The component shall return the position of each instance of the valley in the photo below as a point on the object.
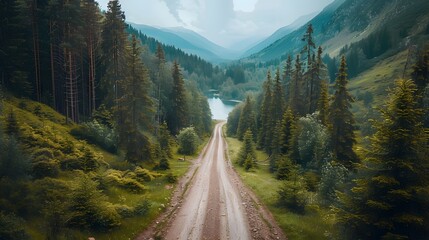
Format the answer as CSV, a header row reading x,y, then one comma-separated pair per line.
x,y
215,120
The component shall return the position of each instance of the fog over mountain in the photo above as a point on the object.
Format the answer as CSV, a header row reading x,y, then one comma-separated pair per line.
x,y
223,22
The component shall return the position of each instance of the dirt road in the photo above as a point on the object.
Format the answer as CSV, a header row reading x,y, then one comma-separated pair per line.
x,y
216,205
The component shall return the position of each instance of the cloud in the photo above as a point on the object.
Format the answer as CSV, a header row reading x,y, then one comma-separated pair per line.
x,y
219,20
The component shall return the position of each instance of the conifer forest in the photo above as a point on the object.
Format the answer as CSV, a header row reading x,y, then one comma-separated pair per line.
x,y
110,127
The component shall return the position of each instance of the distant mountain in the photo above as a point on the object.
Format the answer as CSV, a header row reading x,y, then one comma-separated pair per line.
x,y
292,41
279,34
345,22
185,40
188,41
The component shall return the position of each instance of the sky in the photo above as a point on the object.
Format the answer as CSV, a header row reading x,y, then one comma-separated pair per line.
x,y
224,22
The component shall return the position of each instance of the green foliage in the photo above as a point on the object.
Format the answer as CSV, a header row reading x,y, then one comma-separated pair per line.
x,y
233,120
142,208
188,141
131,181
144,175
247,150
313,142
139,148
14,162
334,175
247,119
12,127
45,168
89,207
293,195
390,196
284,168
177,118
287,129
248,163
98,134
12,227
171,178
341,121
165,139
264,118
163,163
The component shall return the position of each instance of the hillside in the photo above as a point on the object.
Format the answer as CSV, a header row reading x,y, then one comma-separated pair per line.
x,y
280,33
347,21
188,41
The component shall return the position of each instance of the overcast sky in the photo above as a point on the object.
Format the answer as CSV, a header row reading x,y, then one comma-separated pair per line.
x,y
224,22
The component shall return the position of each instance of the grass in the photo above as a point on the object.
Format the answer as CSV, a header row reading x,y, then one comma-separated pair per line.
x,y
312,225
158,192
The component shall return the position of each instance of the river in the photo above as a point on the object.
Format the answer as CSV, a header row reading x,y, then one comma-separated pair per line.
x,y
220,109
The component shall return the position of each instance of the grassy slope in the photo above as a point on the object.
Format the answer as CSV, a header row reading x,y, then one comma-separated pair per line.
x,y
265,186
158,193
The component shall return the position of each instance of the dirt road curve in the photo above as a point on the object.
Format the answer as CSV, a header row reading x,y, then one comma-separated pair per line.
x,y
216,205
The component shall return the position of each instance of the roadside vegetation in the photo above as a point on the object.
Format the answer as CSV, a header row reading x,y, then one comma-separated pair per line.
x,y
340,178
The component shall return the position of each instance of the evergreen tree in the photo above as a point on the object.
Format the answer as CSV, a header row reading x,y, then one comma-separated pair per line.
x,y
287,128
113,52
247,119
315,81
390,199
12,127
295,89
178,117
247,149
275,116
265,113
309,46
164,139
341,121
135,105
323,103
287,77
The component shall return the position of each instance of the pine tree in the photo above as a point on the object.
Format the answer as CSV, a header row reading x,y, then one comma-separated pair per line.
x,y
91,20
247,149
315,81
135,105
295,89
265,113
287,128
309,46
12,127
178,117
390,199
275,117
247,119
323,103
341,120
113,52
164,139
287,77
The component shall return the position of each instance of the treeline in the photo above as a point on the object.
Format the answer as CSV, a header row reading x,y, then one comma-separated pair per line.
x,y
125,101
310,137
69,55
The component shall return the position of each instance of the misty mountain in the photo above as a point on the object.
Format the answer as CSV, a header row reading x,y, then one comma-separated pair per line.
x,y
280,33
188,41
345,22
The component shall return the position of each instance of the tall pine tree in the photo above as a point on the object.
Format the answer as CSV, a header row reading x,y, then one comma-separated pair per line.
x,y
390,199
341,120
178,116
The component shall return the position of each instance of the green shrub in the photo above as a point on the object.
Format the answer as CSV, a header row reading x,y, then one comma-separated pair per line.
x,y
188,141
124,210
293,195
142,208
47,152
12,227
43,169
132,185
171,178
97,133
89,207
248,164
143,174
312,180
